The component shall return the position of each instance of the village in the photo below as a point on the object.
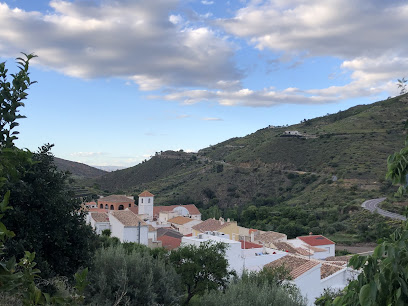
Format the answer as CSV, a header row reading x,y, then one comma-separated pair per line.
x,y
310,260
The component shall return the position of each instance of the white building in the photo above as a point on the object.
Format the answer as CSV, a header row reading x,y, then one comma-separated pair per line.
x,y
98,221
238,259
319,246
146,204
312,276
128,227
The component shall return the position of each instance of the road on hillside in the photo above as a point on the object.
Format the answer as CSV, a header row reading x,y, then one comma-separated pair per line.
x,y
372,205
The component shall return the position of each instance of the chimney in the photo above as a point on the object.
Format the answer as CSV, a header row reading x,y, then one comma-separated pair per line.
x,y
222,220
310,234
252,236
228,220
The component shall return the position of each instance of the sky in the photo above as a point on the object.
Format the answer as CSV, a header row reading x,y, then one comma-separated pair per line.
x,y
120,80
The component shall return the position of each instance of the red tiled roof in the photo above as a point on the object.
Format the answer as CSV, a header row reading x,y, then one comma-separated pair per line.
x,y
100,217
169,243
146,194
315,240
328,269
192,209
98,210
249,245
116,199
127,218
295,265
180,220
210,225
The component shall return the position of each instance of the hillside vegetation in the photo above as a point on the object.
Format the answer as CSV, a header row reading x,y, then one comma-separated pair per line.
x,y
295,184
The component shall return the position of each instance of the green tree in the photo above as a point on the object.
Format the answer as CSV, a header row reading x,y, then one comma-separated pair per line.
x,y
47,219
256,289
202,268
17,280
120,277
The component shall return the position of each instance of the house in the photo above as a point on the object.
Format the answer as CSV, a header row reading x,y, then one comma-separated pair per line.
x,y
228,227
320,245
115,202
312,276
99,221
251,258
128,227
183,224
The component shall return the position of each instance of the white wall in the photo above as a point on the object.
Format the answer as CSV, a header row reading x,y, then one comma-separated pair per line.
x,y
131,234
152,235
309,284
116,228
146,206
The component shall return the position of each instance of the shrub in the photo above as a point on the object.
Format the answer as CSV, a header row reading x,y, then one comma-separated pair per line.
x,y
136,278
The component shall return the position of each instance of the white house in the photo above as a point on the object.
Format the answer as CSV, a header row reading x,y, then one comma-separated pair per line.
x,y
238,258
320,246
99,221
128,227
312,276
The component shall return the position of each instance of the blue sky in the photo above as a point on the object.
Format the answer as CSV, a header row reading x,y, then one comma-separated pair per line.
x,y
120,80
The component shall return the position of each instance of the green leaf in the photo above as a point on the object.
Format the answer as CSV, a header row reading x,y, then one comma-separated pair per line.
x,y
365,295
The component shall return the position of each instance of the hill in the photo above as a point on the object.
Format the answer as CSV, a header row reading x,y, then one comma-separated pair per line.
x,y
78,169
310,176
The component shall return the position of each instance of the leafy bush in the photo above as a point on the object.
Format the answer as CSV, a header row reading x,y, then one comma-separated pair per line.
x,y
136,278
249,291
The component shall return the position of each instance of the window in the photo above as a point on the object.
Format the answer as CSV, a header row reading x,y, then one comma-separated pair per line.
x,y
148,201
106,206
112,208
130,205
142,201
121,207
101,207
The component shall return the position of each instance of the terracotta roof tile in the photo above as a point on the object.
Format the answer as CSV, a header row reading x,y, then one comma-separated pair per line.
x,y
163,231
169,243
315,240
249,245
116,199
127,218
210,225
283,246
328,269
100,217
180,220
146,194
270,237
295,265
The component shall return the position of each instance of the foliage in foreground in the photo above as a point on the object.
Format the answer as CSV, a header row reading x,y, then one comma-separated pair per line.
x,y
120,277
256,290
202,268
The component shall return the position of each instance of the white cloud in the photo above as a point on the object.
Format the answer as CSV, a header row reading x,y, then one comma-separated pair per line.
x,y
136,40
207,2
86,154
